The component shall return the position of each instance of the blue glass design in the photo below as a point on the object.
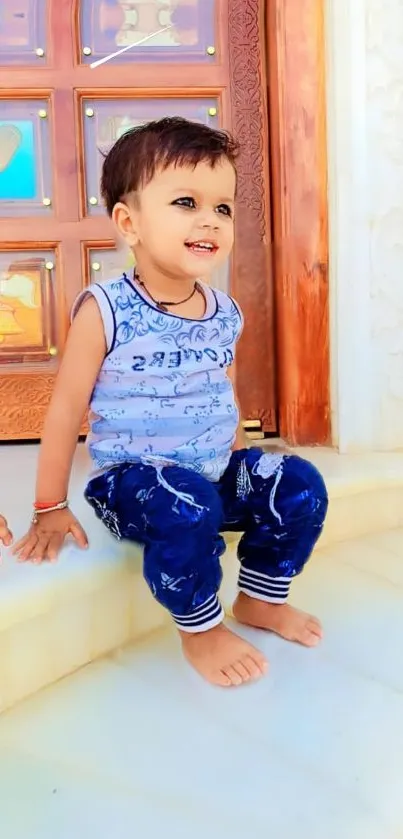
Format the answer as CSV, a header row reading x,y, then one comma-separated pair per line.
x,y
26,171
17,145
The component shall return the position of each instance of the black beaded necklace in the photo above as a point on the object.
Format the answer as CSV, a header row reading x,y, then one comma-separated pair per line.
x,y
164,305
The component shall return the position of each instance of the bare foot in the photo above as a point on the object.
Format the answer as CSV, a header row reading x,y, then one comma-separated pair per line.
x,y
223,658
282,619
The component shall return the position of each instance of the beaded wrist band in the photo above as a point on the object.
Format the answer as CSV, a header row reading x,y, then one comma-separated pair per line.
x,y
39,510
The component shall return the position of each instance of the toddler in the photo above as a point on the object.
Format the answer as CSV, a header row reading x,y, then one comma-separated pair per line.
x,y
152,354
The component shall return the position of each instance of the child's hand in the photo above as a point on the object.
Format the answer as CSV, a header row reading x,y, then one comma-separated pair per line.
x,y
6,537
45,539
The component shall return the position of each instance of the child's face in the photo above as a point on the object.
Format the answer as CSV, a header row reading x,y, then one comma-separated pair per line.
x,y
182,222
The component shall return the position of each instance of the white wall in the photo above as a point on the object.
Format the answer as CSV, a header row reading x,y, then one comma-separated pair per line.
x,y
365,130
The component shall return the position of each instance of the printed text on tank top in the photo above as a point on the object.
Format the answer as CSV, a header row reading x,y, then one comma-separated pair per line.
x,y
163,392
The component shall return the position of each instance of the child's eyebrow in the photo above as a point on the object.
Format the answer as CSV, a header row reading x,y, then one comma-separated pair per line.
x,y
186,190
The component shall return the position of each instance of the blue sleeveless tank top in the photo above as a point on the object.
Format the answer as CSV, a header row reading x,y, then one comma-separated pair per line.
x,y
163,394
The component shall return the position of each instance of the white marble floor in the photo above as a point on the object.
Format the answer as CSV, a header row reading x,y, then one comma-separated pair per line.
x,y
137,745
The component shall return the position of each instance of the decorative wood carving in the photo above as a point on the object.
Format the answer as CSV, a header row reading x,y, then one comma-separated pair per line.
x,y
252,280
23,401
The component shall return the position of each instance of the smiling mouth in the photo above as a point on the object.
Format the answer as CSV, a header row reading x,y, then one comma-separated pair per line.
x,y
202,248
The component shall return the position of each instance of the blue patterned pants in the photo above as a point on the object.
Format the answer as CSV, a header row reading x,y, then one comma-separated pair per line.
x,y
278,503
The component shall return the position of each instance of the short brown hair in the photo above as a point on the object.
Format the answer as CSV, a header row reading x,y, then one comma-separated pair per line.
x,y
135,157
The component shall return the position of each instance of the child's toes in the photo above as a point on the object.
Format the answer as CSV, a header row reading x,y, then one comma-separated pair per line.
x,y
310,636
315,627
232,674
242,669
257,666
221,679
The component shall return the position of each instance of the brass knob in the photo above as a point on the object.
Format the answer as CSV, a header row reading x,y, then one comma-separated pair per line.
x,y
49,266
87,51
53,351
93,201
47,202
42,113
212,112
210,50
96,266
89,112
40,52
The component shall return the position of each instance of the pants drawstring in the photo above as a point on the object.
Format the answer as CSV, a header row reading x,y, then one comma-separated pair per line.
x,y
158,465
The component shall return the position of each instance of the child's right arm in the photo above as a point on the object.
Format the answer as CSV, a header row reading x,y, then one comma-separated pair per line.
x,y
82,360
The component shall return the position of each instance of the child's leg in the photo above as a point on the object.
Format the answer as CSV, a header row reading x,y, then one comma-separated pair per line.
x,y
177,515
281,504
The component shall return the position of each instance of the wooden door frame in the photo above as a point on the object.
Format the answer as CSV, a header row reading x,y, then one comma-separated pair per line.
x,y
296,61
280,42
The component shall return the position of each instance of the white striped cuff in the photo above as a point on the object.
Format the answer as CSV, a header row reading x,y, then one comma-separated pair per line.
x,y
262,587
206,617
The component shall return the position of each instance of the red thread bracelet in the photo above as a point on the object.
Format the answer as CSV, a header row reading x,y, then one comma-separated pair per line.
x,y
41,505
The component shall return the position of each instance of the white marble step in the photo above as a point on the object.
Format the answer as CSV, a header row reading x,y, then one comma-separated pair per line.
x,y
56,618
137,745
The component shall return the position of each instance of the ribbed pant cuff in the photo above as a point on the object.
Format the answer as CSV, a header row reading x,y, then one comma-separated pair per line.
x,y
206,617
262,587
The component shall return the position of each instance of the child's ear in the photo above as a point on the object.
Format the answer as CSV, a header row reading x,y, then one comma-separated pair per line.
x,y
124,220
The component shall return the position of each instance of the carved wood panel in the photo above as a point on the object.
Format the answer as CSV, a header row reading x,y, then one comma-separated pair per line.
x,y
252,279
23,403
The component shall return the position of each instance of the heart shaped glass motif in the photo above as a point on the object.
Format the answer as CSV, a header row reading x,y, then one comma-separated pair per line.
x,y
10,141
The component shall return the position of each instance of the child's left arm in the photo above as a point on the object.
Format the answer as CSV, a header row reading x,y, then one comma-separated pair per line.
x,y
6,536
240,439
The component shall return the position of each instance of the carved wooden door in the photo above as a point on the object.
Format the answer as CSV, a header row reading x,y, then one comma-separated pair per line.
x,y
203,59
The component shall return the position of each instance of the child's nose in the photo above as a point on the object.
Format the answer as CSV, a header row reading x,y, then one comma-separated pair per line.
x,y
209,220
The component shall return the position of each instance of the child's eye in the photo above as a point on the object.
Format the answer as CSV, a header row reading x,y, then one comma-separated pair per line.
x,y
185,202
225,210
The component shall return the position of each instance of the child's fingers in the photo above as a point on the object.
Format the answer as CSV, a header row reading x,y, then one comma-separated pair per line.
x,y
79,534
55,546
40,552
20,545
25,547
37,547
6,537
5,534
